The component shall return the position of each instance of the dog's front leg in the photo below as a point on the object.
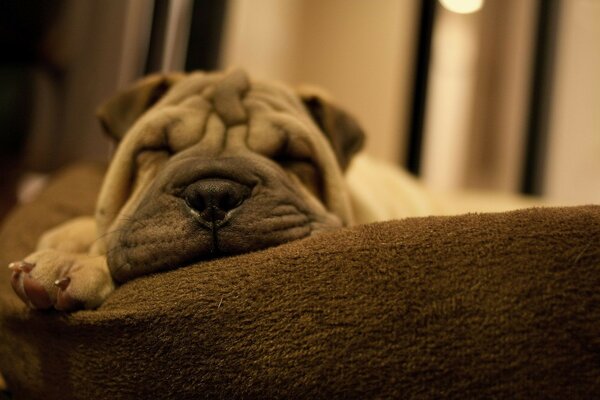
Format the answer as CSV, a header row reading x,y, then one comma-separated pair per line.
x,y
74,236
63,273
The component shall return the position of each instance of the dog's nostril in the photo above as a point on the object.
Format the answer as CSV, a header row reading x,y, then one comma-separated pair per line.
x,y
228,201
213,198
195,202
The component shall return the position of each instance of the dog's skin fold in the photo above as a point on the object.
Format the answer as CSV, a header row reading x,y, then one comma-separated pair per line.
x,y
208,164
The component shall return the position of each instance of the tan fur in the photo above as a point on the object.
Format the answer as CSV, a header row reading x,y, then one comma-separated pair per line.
x,y
207,115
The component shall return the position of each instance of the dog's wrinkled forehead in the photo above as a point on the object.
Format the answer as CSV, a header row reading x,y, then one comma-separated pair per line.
x,y
230,94
225,112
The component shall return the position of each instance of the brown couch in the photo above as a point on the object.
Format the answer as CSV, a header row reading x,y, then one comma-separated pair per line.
x,y
500,305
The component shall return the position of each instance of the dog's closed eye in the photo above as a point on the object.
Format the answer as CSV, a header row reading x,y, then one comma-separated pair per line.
x,y
151,159
306,172
150,153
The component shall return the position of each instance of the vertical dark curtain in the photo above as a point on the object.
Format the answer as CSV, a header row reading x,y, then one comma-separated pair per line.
x,y
206,32
540,97
421,76
204,43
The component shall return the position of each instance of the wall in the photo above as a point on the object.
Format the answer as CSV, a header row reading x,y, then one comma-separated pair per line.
x,y
478,96
573,160
360,51
93,61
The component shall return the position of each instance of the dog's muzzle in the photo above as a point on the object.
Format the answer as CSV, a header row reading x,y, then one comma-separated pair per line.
x,y
202,208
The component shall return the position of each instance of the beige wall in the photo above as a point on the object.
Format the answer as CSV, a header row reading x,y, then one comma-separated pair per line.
x,y
573,163
502,91
450,98
360,51
478,96
260,36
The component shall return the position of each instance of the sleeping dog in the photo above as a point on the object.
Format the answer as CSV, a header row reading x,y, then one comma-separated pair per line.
x,y
207,165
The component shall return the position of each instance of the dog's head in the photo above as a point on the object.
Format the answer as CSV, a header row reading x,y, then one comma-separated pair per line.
x,y
213,164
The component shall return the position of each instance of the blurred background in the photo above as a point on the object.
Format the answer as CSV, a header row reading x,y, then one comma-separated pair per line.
x,y
498,95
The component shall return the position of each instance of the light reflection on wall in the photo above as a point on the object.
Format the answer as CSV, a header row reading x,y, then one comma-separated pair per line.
x,y
462,6
450,98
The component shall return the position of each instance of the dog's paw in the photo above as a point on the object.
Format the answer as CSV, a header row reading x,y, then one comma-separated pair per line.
x,y
65,281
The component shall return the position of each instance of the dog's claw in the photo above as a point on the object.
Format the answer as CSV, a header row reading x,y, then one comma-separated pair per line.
x,y
23,266
62,283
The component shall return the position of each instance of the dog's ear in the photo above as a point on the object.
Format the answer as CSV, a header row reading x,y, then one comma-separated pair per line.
x,y
119,113
342,130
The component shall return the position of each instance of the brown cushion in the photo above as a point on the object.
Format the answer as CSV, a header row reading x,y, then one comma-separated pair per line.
x,y
489,305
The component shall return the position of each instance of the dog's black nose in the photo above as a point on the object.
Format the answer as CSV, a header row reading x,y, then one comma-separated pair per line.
x,y
213,198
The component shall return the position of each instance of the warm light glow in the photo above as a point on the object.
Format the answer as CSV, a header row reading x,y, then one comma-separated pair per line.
x,y
462,6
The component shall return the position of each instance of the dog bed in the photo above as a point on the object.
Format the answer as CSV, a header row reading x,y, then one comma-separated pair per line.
x,y
471,306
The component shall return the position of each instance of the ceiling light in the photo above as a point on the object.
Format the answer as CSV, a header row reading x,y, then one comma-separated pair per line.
x,y
462,6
